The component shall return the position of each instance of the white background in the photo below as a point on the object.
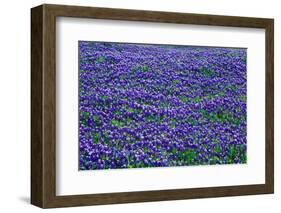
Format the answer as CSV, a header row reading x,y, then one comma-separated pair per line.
x,y
15,105
71,181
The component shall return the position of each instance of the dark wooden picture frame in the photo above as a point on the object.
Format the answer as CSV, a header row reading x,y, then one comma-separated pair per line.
x,y
43,105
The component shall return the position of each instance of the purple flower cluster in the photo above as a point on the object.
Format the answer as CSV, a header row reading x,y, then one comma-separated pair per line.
x,y
146,105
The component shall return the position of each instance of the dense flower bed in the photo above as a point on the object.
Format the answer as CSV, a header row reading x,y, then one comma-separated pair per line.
x,y
161,105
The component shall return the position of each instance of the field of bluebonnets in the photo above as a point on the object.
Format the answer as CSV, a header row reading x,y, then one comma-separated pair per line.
x,y
161,105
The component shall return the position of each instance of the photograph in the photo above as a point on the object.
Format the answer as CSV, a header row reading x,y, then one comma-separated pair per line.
x,y
159,105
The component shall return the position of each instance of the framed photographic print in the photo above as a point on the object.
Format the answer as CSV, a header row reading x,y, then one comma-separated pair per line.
x,y
136,106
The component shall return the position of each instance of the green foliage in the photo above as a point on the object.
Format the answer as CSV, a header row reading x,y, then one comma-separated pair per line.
x,y
229,118
236,121
106,138
145,149
217,149
151,118
93,166
207,72
214,160
97,120
102,157
211,96
135,69
232,154
85,117
140,165
116,112
127,120
243,154
96,137
138,111
191,121
170,90
212,117
174,150
189,156
117,123
183,99
173,123
223,117
175,82
144,68
244,98
131,110
204,113
197,99
104,97
100,59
